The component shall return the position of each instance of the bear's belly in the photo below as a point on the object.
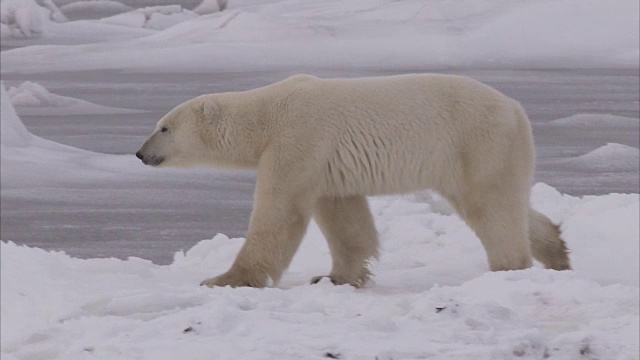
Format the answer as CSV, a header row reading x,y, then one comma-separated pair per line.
x,y
380,158
382,174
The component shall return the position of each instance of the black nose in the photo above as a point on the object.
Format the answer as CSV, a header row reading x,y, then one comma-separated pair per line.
x,y
139,155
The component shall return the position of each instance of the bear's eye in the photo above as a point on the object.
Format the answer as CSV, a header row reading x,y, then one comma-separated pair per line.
x,y
164,129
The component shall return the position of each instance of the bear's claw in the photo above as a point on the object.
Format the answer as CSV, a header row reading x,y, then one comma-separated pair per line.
x,y
339,280
316,279
237,279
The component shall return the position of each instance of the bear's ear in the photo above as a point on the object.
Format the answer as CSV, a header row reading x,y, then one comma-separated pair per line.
x,y
206,109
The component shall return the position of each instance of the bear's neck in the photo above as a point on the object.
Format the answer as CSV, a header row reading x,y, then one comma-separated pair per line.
x,y
250,126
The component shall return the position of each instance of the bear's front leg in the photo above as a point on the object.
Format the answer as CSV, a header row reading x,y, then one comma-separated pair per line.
x,y
238,277
278,223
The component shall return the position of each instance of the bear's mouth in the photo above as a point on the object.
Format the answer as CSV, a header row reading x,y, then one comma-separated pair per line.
x,y
153,160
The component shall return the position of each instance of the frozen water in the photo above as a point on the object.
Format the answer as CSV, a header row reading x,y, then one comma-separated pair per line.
x,y
33,99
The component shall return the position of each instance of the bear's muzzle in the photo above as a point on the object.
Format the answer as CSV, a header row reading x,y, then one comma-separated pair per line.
x,y
150,160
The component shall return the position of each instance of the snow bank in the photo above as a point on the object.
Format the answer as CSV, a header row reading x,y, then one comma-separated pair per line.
x,y
608,158
596,120
381,34
548,32
33,94
13,131
25,23
21,19
54,12
210,6
33,99
25,157
432,297
156,17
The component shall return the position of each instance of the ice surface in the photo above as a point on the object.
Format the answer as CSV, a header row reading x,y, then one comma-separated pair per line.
x,y
381,34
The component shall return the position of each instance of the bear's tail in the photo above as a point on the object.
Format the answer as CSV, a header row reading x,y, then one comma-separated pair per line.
x,y
546,244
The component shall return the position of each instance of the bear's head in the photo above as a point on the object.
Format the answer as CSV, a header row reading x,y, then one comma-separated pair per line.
x,y
182,138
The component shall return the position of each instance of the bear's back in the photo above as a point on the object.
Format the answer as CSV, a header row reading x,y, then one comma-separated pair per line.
x,y
412,94
388,134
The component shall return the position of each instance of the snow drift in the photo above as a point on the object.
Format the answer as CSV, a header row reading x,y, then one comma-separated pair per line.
x,y
21,18
596,121
24,22
33,99
608,158
156,17
12,130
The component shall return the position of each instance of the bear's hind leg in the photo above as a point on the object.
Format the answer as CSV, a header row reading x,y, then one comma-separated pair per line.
x,y
500,220
348,226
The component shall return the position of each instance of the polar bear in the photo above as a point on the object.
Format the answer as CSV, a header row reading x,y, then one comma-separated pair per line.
x,y
320,146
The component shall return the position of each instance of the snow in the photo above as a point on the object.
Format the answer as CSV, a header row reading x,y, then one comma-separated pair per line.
x,y
24,22
374,34
14,133
422,302
54,11
20,18
432,295
156,17
68,308
210,6
608,158
596,121
33,99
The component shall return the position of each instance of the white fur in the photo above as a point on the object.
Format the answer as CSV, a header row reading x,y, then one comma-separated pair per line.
x,y
320,146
